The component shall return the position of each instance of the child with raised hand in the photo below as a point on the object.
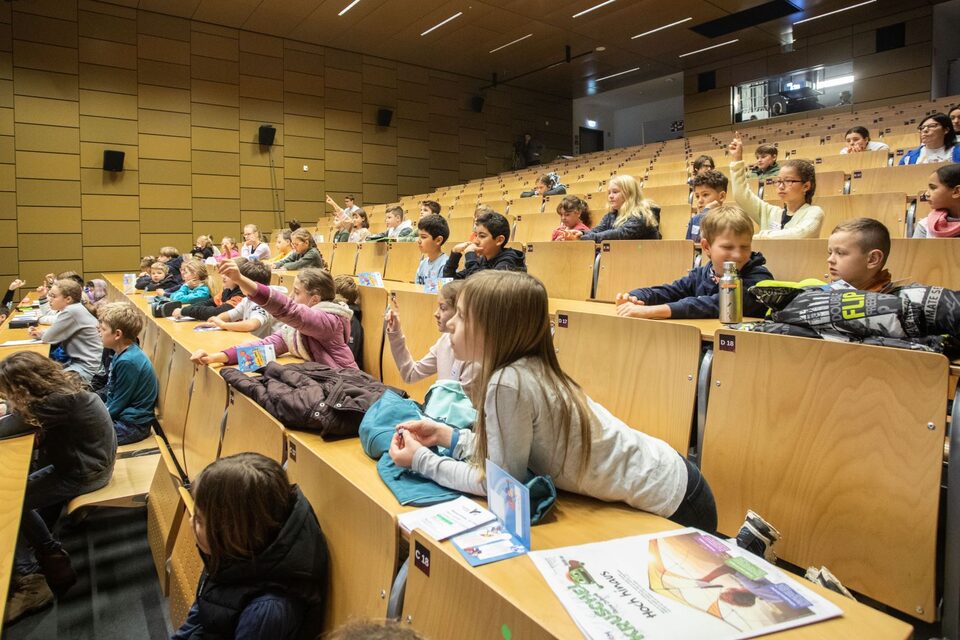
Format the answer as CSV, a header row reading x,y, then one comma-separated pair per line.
x,y
246,315
78,448
131,391
316,326
228,298
487,251
440,359
796,184
194,287
533,416
574,216
630,216
727,237
432,231
305,253
74,329
856,254
943,193
265,564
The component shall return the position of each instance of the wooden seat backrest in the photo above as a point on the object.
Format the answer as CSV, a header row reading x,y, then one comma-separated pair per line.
x,y
403,258
373,304
794,259
629,264
535,227
663,196
163,358
525,206
815,435
929,261
565,268
888,208
674,219
185,565
344,259
371,256
250,428
202,433
910,179
419,327
176,400
850,162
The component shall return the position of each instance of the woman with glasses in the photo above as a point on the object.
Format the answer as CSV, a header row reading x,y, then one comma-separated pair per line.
x,y
938,142
796,184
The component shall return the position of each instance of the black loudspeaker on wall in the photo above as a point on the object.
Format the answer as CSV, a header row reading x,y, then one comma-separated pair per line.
x,y
476,103
384,116
266,134
113,160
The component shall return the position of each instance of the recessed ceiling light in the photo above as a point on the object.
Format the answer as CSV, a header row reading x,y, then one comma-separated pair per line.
x,y
830,13
440,24
722,44
348,7
593,8
666,26
600,49
614,75
504,46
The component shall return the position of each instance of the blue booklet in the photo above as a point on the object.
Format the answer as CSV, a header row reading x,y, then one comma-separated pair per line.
x,y
255,357
509,535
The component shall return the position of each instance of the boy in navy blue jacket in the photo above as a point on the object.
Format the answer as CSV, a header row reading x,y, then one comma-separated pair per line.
x,y
727,235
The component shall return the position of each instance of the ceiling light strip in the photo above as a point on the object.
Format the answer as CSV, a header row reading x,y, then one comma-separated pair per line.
x,y
722,44
510,43
348,7
593,8
824,15
614,75
437,26
666,26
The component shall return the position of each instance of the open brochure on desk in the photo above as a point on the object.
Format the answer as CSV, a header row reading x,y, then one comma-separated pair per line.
x,y
676,585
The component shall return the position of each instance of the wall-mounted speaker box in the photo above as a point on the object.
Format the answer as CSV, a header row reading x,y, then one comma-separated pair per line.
x,y
476,103
267,134
384,116
113,160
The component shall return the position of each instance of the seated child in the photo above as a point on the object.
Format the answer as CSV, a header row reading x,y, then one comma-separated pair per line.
x,y
340,228
796,183
766,166
856,254
700,166
78,446
254,248
143,278
429,208
489,251
317,326
203,249
547,185
265,565
228,250
247,315
630,216
48,315
574,216
433,231
74,329
348,289
305,253
727,235
172,258
194,287
161,279
228,298
709,190
361,226
533,416
858,140
397,227
943,193
131,391
440,359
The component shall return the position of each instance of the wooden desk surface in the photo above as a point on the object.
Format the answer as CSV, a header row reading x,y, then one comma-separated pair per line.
x,y
15,456
518,586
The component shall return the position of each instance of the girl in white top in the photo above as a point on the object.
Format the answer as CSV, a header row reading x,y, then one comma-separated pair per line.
x,y
858,140
532,416
440,359
938,142
796,184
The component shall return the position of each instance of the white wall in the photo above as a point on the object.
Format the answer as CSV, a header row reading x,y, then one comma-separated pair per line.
x,y
647,123
584,109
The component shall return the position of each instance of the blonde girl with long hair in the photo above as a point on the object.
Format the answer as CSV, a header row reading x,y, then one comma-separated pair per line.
x,y
629,216
533,416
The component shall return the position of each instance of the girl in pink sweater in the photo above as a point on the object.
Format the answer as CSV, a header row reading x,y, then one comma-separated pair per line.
x,y
316,325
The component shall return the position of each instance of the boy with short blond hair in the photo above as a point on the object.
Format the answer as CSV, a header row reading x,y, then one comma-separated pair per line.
x,y
131,390
727,236
856,254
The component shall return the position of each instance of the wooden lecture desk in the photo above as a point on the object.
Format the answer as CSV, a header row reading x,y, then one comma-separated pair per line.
x,y
15,455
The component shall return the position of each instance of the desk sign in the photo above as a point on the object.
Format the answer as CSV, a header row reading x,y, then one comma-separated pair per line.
x,y
421,558
728,343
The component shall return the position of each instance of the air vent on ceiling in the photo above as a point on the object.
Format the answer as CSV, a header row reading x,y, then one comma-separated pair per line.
x,y
747,18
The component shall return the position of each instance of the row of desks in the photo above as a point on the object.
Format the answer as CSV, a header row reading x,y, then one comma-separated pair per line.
x,y
358,515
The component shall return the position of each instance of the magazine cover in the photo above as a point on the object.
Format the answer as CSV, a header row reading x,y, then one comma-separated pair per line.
x,y
682,584
370,279
509,535
255,357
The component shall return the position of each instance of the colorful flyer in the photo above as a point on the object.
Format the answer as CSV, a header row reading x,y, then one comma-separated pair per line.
x,y
433,285
370,279
446,519
509,536
255,357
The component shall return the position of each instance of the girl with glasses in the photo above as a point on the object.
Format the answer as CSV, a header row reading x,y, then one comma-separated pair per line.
x,y
938,142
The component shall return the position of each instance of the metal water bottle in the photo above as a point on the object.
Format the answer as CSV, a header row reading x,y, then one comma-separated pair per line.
x,y
731,295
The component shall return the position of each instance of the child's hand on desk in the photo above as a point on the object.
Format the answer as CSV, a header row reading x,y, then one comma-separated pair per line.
x,y
402,448
202,357
176,313
216,321
35,332
572,234
630,307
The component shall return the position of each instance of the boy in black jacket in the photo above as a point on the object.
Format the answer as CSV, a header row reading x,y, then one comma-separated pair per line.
x,y
488,251
161,278
726,236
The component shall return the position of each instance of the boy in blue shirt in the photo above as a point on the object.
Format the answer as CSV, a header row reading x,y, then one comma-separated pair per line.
x,y
709,191
727,237
434,231
131,391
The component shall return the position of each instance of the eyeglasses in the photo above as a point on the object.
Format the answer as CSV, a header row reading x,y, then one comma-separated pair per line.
x,y
929,127
783,181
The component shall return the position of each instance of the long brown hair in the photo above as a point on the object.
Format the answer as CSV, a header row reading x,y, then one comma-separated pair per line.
x,y
27,378
508,316
244,500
